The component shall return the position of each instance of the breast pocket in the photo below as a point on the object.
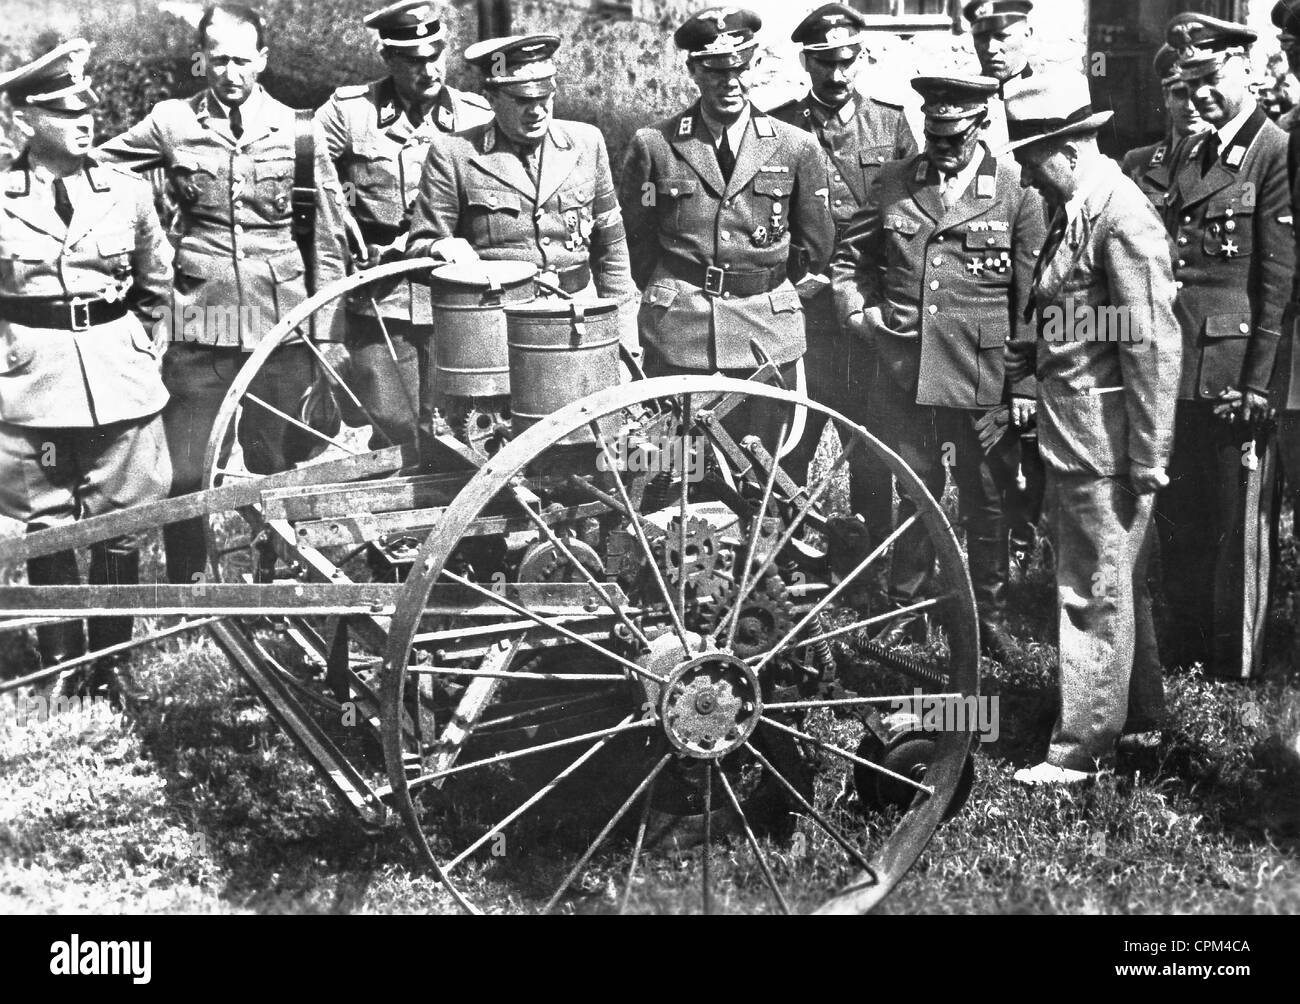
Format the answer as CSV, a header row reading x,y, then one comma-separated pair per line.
x,y
373,173
772,193
900,239
1228,232
988,254
870,161
21,257
273,183
673,200
114,250
576,208
195,180
494,215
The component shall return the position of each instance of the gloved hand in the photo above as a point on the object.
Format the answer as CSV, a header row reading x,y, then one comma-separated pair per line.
x,y
992,426
453,250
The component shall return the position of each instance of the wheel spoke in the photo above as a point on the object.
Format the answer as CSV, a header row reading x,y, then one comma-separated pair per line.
x,y
392,352
858,625
639,531
301,425
559,629
707,891
851,757
534,798
754,534
805,507
625,726
505,674
753,842
600,837
685,439
636,846
843,584
333,373
817,817
592,581
850,702
545,705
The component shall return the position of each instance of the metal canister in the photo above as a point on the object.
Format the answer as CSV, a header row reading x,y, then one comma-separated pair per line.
x,y
470,354
560,351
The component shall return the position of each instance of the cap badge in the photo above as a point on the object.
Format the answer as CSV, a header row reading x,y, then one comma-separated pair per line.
x,y
983,10
719,15
838,36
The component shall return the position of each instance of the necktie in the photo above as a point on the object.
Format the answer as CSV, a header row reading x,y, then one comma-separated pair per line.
x,y
236,122
62,204
726,158
1052,244
1209,153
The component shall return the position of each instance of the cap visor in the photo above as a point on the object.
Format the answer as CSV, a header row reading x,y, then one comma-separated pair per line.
x,y
528,88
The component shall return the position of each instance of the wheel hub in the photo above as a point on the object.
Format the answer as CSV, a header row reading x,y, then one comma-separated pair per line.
x,y
711,706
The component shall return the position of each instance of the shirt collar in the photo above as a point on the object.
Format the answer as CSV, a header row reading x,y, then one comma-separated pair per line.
x,y
824,111
247,110
736,131
964,176
1228,131
1096,177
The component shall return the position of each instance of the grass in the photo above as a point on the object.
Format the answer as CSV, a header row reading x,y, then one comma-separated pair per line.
x,y
201,804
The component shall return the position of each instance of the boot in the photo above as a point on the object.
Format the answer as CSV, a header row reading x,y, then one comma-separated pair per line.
x,y
114,566
990,568
57,643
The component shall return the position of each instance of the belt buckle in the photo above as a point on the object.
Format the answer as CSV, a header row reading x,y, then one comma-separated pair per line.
x,y
79,321
713,277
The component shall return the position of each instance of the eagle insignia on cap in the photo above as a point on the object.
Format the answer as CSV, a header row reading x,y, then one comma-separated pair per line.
x,y
983,10
719,15
838,36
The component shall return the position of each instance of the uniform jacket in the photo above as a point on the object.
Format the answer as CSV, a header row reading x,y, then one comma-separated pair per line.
x,y
772,213
1149,167
475,186
1235,258
235,248
379,155
943,291
995,135
113,248
855,141
1114,255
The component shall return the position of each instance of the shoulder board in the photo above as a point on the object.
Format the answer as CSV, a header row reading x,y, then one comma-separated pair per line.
x,y
763,126
349,91
785,109
892,105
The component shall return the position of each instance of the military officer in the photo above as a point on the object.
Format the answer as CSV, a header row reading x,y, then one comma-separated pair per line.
x,y
1149,165
1004,41
857,134
379,136
229,151
526,186
1228,211
1106,396
724,207
83,263
1286,18
934,273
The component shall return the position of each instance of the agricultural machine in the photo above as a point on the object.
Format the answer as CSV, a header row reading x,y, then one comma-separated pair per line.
x,y
594,617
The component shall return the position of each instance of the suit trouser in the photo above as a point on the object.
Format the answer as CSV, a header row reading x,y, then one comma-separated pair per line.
x,y
54,477
1109,665
198,377
1217,522
929,440
841,373
398,393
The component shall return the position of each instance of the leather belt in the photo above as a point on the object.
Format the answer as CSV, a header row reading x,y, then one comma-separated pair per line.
x,y
74,314
725,282
571,280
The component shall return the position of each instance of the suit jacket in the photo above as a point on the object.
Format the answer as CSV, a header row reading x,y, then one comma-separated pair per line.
x,y
379,155
474,186
236,246
1235,258
943,290
1149,167
112,248
1114,255
772,213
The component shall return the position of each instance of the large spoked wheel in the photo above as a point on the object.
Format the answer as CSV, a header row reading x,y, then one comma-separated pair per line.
x,y
358,523
659,680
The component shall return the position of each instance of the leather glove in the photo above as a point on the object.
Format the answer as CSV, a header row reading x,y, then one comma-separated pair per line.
x,y
992,426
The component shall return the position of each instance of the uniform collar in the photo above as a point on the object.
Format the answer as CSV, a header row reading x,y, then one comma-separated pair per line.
x,y
821,112
1232,128
249,110
1014,82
